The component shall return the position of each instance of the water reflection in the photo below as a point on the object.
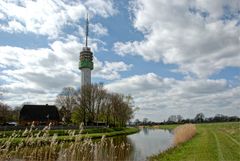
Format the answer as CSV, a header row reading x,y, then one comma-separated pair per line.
x,y
136,147
150,141
145,131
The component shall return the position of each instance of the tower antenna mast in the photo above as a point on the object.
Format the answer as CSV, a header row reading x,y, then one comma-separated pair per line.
x,y
86,41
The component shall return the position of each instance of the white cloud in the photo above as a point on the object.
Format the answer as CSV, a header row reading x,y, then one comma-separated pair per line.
x,y
48,17
109,70
160,97
2,16
98,29
175,34
13,26
104,8
43,72
39,74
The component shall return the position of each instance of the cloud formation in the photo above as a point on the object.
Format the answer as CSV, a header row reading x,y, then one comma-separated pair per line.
x,y
160,97
47,70
198,36
49,17
38,74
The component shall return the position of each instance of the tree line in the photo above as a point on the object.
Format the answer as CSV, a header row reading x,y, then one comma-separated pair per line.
x,y
8,114
199,118
91,105
94,105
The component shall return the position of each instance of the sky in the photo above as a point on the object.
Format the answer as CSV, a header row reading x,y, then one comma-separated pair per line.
x,y
173,57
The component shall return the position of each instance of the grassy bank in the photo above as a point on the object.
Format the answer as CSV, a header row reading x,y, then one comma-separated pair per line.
x,y
124,131
25,133
213,142
167,127
67,135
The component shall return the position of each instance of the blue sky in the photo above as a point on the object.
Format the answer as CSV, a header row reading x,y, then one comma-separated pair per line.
x,y
173,57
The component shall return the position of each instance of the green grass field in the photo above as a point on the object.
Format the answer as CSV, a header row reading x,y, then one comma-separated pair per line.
x,y
213,142
172,126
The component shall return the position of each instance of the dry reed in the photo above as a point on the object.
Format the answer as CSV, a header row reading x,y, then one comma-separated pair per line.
x,y
47,148
183,133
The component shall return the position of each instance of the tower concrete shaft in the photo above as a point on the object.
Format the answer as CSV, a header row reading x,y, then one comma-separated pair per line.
x,y
86,76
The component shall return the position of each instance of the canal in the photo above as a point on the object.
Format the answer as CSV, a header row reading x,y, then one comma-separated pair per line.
x,y
135,147
149,142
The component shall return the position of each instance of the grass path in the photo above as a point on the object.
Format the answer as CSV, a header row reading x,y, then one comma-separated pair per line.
x,y
231,138
213,142
219,151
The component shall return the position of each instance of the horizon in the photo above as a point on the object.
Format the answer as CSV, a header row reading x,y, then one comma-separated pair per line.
x,y
173,58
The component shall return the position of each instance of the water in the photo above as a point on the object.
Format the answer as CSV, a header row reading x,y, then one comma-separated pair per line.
x,y
149,141
135,147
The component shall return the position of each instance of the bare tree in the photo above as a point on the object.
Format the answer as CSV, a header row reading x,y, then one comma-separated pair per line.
x,y
145,121
66,102
121,109
94,104
1,94
16,113
199,117
106,109
4,113
101,98
90,100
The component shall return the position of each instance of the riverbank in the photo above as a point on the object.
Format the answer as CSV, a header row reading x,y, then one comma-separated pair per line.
x,y
63,135
60,132
213,142
124,131
164,127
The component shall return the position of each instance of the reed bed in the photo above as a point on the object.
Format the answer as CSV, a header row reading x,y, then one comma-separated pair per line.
x,y
43,147
183,133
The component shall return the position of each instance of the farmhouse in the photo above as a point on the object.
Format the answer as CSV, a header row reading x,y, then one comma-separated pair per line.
x,y
39,114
